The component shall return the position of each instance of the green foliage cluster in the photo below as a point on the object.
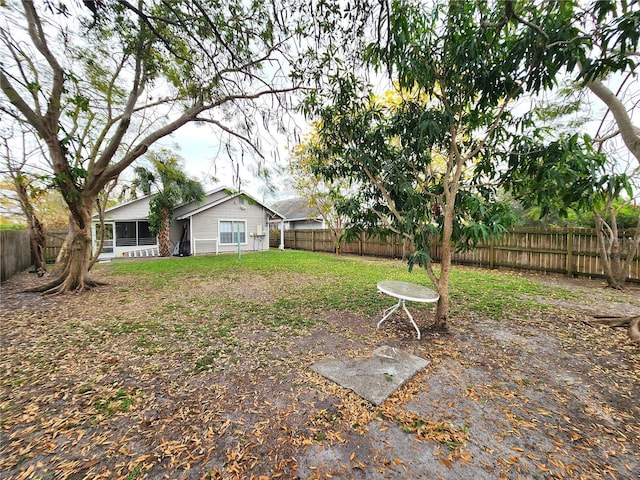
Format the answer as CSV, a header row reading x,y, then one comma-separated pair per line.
x,y
561,175
432,163
427,158
568,179
627,215
172,187
10,225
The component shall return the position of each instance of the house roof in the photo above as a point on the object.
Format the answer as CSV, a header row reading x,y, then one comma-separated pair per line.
x,y
144,197
297,208
185,212
215,203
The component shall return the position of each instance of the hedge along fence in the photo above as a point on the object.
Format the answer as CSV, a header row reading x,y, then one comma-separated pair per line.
x,y
570,251
15,252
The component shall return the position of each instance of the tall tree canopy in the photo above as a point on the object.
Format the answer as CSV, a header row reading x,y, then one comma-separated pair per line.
x,y
28,189
101,86
459,68
572,171
322,196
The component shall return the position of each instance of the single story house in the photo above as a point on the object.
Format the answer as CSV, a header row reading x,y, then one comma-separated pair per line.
x,y
297,215
216,225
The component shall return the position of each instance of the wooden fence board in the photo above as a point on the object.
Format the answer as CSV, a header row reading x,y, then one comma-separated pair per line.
x,y
55,239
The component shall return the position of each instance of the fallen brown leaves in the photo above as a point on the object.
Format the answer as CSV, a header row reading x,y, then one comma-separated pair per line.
x,y
135,383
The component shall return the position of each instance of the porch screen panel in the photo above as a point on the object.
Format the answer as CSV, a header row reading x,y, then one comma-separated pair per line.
x,y
107,246
125,234
144,235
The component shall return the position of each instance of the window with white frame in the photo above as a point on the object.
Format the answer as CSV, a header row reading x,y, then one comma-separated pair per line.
x,y
229,231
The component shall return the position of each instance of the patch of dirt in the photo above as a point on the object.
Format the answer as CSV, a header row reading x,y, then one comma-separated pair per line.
x,y
94,386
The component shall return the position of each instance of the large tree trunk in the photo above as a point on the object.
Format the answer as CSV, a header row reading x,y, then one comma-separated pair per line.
x,y
63,254
37,236
604,247
615,257
72,265
164,236
455,167
442,309
38,240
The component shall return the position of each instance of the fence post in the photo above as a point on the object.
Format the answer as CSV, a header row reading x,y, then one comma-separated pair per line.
x,y
313,241
492,253
569,265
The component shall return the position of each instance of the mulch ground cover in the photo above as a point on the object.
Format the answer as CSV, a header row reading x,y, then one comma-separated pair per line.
x,y
134,381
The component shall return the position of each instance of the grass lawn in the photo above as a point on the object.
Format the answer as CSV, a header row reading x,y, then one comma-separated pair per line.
x,y
197,367
343,282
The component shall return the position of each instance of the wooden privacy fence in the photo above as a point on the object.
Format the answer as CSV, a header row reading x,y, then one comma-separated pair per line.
x,y
15,252
570,251
55,239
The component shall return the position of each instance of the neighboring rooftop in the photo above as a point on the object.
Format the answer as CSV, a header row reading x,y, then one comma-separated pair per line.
x,y
296,208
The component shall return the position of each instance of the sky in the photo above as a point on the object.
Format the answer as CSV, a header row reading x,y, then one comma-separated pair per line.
x,y
205,158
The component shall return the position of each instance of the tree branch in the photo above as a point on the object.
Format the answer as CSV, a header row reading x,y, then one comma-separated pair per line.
x,y
39,39
232,132
145,19
142,147
385,194
17,101
629,132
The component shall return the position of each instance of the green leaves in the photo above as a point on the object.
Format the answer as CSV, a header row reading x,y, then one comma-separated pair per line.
x,y
616,35
558,176
419,147
171,184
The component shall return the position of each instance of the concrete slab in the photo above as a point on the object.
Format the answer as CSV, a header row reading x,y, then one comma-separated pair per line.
x,y
374,378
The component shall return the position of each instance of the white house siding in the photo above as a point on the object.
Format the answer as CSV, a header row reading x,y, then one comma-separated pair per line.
x,y
210,198
205,224
137,210
303,225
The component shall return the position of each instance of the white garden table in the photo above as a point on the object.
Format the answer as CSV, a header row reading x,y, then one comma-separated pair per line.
x,y
404,291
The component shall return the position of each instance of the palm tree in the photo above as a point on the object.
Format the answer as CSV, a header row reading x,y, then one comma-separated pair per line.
x,y
172,187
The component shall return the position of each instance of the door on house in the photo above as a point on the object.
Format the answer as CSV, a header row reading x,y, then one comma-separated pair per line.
x,y
107,246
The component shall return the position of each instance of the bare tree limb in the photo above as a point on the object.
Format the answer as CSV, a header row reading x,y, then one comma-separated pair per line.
x,y
629,132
